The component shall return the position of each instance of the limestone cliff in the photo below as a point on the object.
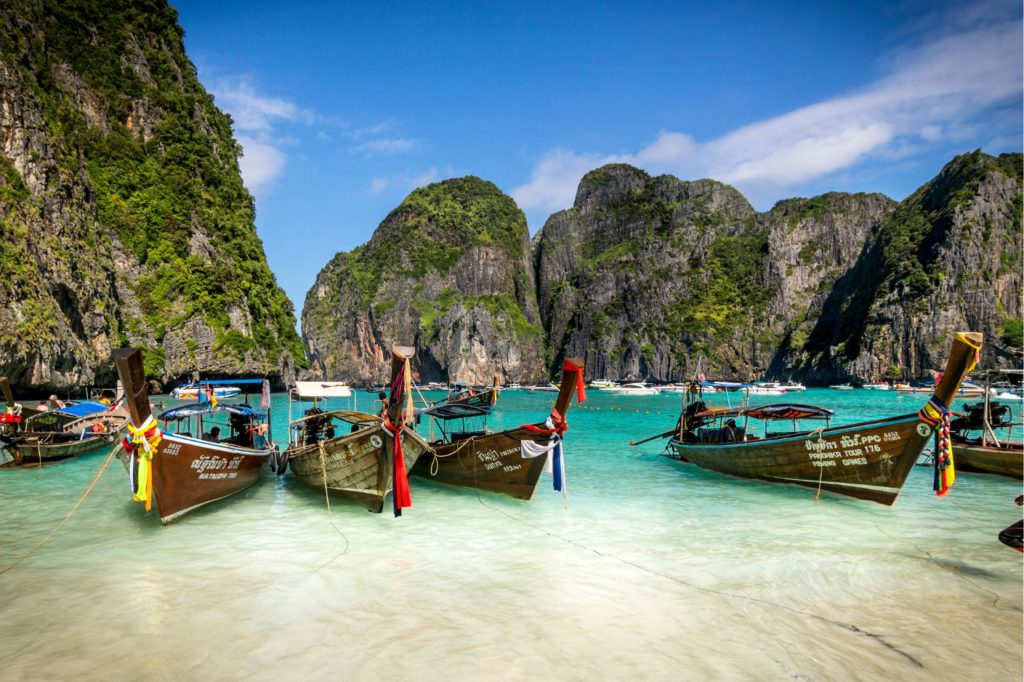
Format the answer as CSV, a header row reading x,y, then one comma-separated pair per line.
x,y
447,271
123,218
644,277
948,258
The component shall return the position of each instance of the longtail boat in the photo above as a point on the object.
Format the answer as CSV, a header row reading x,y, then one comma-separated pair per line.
x,y
509,462
78,428
176,466
12,417
869,460
987,453
374,454
481,398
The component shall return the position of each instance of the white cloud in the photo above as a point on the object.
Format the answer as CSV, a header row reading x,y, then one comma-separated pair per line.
x,y
409,181
260,163
396,145
930,95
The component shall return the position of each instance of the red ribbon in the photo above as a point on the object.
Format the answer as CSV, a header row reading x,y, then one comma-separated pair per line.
x,y
581,393
561,426
400,489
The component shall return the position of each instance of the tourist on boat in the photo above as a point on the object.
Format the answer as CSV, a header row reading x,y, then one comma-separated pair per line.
x,y
55,403
213,435
383,398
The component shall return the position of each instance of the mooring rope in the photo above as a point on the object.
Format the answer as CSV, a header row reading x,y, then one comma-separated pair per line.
x,y
327,497
88,489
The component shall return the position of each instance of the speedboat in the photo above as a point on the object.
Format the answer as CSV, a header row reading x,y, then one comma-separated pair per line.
x,y
192,391
634,389
601,383
841,387
877,387
793,387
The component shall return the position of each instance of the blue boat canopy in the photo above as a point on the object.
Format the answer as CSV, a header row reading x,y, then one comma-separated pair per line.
x,y
222,382
193,409
82,408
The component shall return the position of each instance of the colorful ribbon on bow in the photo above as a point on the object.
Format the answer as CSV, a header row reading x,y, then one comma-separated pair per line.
x,y
401,494
936,415
581,391
141,444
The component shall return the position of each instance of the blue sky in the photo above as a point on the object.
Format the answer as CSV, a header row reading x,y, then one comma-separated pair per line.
x,y
344,108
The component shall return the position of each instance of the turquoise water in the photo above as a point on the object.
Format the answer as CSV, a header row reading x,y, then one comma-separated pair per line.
x,y
657,570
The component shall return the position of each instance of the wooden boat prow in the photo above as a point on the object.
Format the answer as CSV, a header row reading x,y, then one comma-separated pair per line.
x,y
494,461
869,460
358,465
186,471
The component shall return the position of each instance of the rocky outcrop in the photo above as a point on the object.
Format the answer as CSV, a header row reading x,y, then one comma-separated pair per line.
x,y
123,218
948,258
448,272
649,277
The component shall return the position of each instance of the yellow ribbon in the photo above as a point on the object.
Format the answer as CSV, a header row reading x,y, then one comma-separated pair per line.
x,y
145,448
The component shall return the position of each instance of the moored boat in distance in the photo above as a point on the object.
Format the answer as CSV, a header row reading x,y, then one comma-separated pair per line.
x,y
219,389
179,467
869,460
985,452
77,429
541,387
841,387
600,384
509,462
636,388
360,462
877,386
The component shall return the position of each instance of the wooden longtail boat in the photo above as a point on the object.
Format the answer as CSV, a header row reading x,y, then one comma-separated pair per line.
x,y
360,464
986,453
484,399
869,460
495,462
181,472
11,417
79,428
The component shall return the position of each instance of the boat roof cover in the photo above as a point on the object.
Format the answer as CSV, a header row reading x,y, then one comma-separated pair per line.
x,y
321,389
446,411
222,382
193,409
83,408
787,411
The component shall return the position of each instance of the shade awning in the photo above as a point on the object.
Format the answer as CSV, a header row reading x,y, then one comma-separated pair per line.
x,y
321,389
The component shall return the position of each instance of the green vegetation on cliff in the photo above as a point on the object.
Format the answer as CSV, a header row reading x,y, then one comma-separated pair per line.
x,y
161,161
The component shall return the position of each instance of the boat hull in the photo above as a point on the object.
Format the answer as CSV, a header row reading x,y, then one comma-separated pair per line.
x,y
1005,460
868,461
492,462
358,466
189,473
34,449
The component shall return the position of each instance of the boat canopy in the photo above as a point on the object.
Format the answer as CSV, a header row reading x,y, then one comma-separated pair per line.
x,y
446,411
222,382
350,416
83,408
787,411
194,409
321,389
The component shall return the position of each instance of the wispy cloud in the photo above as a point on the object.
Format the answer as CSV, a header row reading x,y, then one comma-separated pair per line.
x,y
932,93
386,145
406,182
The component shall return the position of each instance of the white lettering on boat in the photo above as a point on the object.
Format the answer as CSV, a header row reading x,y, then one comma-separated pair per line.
x,y
492,455
215,463
171,449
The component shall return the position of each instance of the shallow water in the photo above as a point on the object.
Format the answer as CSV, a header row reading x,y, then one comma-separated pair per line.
x,y
657,570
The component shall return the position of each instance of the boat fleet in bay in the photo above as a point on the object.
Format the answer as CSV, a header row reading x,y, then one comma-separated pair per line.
x,y
219,442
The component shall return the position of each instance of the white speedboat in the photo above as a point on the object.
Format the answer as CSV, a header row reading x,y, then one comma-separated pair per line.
x,y
601,384
550,387
841,387
765,390
634,389
191,392
793,387
877,387
675,388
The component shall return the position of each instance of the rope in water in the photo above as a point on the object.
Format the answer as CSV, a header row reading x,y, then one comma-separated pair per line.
x,y
88,489
327,497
